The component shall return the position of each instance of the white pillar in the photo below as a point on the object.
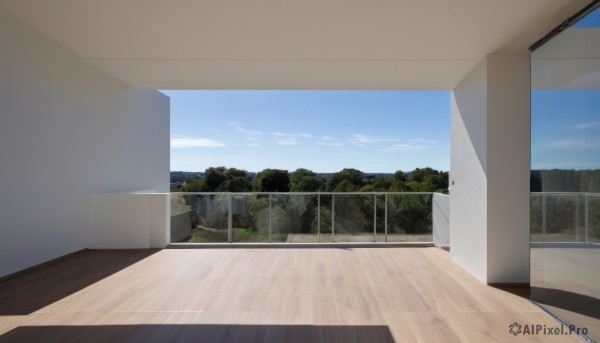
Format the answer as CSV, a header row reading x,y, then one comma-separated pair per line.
x,y
489,172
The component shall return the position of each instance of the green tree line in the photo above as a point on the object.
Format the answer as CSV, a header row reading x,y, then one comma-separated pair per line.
x,y
222,179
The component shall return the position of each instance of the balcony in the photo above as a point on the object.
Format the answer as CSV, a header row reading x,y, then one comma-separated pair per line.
x,y
381,281
261,295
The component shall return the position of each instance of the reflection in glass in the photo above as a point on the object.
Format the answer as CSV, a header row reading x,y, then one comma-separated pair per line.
x,y
250,218
565,156
353,218
410,218
294,218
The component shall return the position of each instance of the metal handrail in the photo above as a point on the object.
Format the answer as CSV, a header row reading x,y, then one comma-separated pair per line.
x,y
302,193
565,193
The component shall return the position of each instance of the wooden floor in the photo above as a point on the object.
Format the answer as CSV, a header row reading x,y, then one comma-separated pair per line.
x,y
263,295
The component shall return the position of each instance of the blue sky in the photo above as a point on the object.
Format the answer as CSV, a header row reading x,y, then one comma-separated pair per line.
x,y
325,131
592,20
565,129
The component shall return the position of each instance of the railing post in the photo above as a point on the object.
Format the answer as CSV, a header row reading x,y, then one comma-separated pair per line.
x,y
386,202
332,215
577,217
587,218
543,218
374,217
318,217
270,218
230,221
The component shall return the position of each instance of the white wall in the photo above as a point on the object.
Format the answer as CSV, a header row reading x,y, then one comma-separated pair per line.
x,y
130,220
66,131
490,144
159,219
508,168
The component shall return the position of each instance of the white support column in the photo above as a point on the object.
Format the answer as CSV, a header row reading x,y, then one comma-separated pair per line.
x,y
489,172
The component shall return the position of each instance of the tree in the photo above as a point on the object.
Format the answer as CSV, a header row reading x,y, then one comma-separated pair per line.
x,y
346,186
412,186
304,180
352,176
308,184
272,180
419,174
233,173
193,185
398,186
433,183
213,178
237,184
381,184
400,176
299,173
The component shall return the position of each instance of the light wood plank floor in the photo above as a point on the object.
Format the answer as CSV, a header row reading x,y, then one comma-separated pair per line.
x,y
273,295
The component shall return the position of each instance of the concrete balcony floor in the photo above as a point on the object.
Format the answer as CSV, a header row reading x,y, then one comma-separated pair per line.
x,y
261,295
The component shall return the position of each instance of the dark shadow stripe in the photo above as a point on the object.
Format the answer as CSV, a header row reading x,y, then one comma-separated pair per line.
x,y
200,333
574,302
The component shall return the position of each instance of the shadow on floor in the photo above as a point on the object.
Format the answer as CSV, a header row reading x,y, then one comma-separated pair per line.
x,y
200,333
574,302
39,287
523,291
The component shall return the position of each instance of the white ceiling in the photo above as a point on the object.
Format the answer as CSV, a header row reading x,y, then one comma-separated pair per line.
x,y
291,44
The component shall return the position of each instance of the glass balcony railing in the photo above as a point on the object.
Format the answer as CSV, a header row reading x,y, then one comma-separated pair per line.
x,y
565,217
301,217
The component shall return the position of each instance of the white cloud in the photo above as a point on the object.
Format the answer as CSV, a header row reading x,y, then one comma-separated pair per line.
x,y
329,143
241,129
585,125
407,147
194,142
361,140
562,144
573,144
291,135
425,141
306,150
287,141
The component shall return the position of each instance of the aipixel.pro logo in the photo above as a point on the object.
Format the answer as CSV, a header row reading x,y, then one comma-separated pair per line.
x,y
516,329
